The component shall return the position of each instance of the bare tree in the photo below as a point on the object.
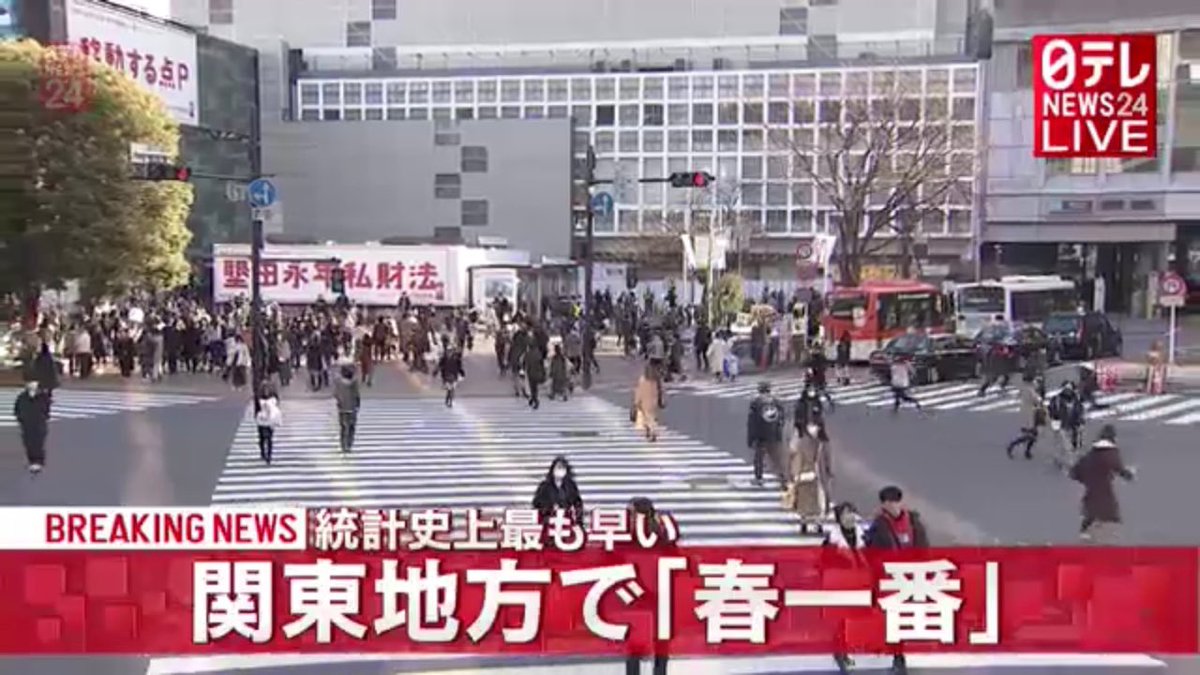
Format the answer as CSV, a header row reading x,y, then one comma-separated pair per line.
x,y
882,167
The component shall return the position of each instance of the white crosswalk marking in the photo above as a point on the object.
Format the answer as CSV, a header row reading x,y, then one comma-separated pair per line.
x,y
490,453
1171,409
74,404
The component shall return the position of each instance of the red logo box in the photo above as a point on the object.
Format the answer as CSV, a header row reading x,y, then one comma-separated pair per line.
x,y
64,80
1095,96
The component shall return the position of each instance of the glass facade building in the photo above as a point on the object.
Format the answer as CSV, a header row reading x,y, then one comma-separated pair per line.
x,y
744,127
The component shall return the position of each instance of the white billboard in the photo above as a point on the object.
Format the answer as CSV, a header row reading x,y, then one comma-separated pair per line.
x,y
159,56
374,275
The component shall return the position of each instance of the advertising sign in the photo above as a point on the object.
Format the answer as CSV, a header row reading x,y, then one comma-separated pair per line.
x,y
1095,96
375,275
159,56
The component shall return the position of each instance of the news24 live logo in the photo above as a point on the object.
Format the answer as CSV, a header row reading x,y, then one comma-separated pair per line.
x,y
1095,96
64,79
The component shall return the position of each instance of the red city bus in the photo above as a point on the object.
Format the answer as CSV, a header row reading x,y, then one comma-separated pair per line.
x,y
877,311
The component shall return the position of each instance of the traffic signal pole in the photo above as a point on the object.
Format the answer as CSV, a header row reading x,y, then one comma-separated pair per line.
x,y
258,343
688,179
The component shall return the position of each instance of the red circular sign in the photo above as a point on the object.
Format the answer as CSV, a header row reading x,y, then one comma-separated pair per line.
x,y
1172,284
804,252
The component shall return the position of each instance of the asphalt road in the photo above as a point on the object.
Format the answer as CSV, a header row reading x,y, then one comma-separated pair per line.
x,y
952,466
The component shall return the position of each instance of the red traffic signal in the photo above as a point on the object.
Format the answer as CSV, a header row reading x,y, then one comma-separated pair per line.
x,y
173,172
691,179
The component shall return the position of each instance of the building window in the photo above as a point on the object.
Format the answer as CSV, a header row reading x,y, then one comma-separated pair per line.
x,y
605,115
446,138
383,9
383,58
474,212
220,12
447,186
310,94
358,34
331,93
332,115
652,114
373,93
793,21
474,159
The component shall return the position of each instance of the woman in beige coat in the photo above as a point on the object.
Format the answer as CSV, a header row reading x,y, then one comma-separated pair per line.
x,y
644,413
811,471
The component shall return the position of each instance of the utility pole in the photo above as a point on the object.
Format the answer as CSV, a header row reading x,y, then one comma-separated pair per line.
x,y
258,342
588,261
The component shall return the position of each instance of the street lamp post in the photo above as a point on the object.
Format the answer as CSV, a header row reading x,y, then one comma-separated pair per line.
x,y
258,346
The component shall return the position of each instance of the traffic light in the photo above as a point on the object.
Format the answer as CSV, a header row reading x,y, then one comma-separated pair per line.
x,y
691,179
337,281
174,172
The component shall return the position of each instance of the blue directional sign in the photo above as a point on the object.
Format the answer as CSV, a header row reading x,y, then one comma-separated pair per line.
x,y
262,193
602,204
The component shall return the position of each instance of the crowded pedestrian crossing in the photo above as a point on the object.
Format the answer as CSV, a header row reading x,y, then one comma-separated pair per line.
x,y
1129,406
491,453
77,404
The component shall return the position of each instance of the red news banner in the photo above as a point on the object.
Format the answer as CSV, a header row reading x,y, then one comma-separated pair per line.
x,y
245,580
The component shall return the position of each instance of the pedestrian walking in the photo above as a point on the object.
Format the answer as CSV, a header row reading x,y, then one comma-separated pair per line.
x,y
450,369
349,399
32,410
896,528
559,492
764,433
560,375
1033,410
268,417
641,508
997,363
646,401
1066,413
843,551
239,363
1097,471
807,493
901,381
842,360
535,373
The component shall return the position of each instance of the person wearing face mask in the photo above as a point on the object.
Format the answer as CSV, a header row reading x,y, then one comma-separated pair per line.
x,y
349,399
32,410
896,528
843,550
559,491
808,489
1066,414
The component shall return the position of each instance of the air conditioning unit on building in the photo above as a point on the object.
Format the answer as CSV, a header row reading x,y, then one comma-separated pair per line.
x,y
682,65
719,64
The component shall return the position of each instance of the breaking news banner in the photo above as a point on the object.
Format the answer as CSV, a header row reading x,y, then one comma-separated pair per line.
x,y
1095,96
209,581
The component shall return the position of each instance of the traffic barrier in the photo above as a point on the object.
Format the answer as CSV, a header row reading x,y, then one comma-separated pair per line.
x,y
1107,377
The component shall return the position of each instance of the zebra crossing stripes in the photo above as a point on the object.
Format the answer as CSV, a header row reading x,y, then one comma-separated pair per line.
x,y
1171,409
490,454
74,404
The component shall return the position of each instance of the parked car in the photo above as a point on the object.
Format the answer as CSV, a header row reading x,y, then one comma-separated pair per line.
x,y
1083,336
935,358
1020,344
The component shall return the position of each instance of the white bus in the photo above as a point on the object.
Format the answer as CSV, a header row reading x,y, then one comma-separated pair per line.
x,y
1022,299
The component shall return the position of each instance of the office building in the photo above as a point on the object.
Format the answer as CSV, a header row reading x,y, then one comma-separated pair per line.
x,y
674,85
1124,220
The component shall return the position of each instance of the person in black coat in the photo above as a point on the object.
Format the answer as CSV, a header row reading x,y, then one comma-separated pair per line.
x,y
764,432
32,410
450,369
559,491
535,373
